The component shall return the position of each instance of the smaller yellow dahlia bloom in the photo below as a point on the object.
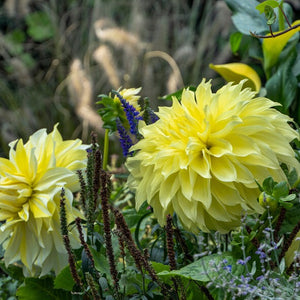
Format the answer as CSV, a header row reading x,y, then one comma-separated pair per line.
x,y
203,155
131,96
31,181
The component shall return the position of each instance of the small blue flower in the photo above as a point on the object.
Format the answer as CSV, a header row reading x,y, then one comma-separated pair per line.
x,y
228,268
243,262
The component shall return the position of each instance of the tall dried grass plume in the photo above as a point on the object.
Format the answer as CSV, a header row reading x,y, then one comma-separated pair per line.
x,y
81,91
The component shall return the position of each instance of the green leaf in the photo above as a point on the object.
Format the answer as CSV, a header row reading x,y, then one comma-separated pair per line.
x,y
281,189
268,185
159,267
28,60
40,27
272,3
235,41
291,219
40,288
64,280
288,198
111,110
270,15
13,271
177,94
207,268
282,86
14,41
101,263
246,17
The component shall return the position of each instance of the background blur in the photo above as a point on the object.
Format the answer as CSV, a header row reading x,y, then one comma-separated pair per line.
x,y
57,56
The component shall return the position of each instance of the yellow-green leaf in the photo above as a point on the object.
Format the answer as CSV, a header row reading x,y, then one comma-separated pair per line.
x,y
272,47
236,72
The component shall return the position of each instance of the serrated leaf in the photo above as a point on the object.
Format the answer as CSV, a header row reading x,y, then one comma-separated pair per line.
x,y
40,288
268,185
64,280
272,3
281,189
13,271
101,263
292,177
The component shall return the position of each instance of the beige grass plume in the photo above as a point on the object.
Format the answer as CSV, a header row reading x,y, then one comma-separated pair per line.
x,y
81,91
104,58
117,37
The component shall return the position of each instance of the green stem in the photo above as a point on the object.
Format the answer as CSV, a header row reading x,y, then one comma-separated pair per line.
x,y
106,147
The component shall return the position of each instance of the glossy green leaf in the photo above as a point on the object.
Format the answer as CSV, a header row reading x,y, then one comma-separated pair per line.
x,y
246,17
282,86
272,3
235,41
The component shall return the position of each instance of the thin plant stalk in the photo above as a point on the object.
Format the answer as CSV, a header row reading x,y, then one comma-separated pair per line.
x,y
105,150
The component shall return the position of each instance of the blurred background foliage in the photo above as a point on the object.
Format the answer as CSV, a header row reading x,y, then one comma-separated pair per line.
x,y
57,56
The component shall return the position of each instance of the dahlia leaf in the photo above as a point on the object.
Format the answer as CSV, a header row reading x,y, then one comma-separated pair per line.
x,y
64,280
268,185
280,189
101,263
40,288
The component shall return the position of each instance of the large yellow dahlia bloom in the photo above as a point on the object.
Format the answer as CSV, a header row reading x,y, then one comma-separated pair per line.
x,y
202,157
31,181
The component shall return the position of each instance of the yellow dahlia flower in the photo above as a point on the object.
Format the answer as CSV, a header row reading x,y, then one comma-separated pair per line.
x,y
130,95
31,181
203,155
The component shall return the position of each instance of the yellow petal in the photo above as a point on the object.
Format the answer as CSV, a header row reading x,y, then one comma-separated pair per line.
x,y
235,72
272,47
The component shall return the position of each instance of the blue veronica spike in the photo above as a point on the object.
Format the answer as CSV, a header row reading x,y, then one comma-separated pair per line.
x,y
132,115
125,139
